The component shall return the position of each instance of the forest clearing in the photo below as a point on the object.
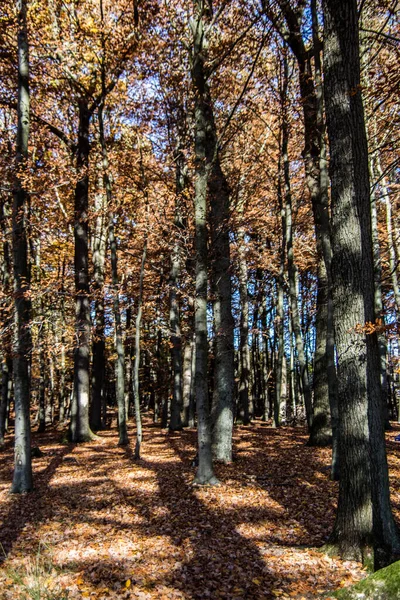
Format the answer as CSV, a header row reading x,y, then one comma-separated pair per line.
x,y
114,528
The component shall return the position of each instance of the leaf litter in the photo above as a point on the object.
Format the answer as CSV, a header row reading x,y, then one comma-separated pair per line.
x,y
100,525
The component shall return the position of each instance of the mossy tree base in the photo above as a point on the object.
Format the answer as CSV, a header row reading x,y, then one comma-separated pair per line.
x,y
382,585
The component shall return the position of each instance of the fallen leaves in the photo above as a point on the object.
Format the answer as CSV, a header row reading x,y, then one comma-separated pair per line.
x,y
120,529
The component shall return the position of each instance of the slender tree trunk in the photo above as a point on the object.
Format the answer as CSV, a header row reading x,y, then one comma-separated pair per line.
x,y
6,375
136,363
205,472
364,527
119,342
389,228
292,268
128,364
79,427
6,320
174,315
63,390
187,381
99,245
314,155
379,313
22,479
118,335
244,349
280,317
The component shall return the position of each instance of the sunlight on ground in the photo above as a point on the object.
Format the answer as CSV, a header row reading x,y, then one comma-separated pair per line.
x,y
112,528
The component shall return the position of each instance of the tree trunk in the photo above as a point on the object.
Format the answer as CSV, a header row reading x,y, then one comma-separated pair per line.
x,y
6,375
63,390
187,381
292,268
222,310
119,342
118,336
205,472
174,315
136,362
79,427
6,320
22,479
99,245
244,349
364,527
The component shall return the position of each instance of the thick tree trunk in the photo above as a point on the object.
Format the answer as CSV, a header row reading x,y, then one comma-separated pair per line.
x,y
364,527
22,479
79,427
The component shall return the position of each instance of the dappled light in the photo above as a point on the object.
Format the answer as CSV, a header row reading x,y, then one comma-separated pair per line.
x,y
115,528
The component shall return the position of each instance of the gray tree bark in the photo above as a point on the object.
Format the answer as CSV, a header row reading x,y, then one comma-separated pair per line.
x,y
174,315
22,478
205,471
136,362
244,348
118,334
364,527
6,353
79,426
99,246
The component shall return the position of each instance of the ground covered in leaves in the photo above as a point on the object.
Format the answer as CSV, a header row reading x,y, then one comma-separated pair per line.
x,y
100,525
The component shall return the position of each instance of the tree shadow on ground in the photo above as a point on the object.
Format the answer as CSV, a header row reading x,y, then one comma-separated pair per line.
x,y
25,508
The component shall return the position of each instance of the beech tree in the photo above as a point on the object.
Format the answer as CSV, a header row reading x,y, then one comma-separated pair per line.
x,y
22,481
364,527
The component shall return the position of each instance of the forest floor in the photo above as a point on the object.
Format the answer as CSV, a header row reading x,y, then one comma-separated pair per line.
x,y
100,525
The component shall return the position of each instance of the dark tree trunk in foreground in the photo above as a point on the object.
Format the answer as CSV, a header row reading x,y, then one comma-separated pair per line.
x,y
22,480
205,473
80,429
364,527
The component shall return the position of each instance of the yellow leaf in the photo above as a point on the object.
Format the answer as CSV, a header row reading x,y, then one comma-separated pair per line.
x,y
256,581
85,594
128,583
79,581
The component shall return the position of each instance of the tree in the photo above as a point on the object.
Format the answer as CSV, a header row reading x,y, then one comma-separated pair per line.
x,y
364,527
22,481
